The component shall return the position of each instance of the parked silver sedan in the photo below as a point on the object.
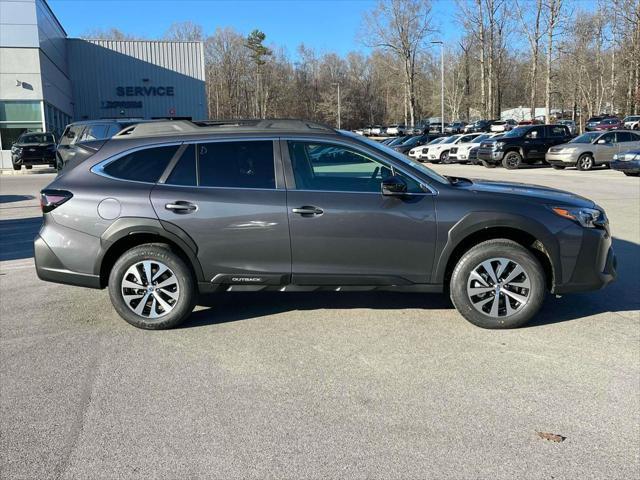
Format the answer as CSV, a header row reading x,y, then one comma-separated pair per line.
x,y
591,149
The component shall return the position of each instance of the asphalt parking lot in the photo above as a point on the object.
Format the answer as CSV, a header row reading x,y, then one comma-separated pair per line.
x,y
333,385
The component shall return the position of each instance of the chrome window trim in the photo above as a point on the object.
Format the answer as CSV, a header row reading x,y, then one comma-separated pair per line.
x,y
432,190
98,168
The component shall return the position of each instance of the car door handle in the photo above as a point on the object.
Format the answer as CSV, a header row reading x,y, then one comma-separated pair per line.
x,y
308,211
181,207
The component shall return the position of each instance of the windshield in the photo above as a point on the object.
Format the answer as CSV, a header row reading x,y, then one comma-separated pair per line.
x,y
594,119
451,139
631,119
410,141
516,132
481,138
398,140
588,137
37,138
397,156
437,140
468,138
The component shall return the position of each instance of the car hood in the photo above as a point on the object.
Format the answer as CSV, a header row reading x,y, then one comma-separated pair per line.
x,y
542,194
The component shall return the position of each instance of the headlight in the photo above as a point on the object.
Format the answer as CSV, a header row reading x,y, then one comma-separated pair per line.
x,y
498,145
587,217
568,150
626,157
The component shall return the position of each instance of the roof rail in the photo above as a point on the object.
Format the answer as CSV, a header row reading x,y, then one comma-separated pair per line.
x,y
184,127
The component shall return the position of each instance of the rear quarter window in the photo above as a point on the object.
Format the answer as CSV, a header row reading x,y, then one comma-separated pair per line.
x,y
142,165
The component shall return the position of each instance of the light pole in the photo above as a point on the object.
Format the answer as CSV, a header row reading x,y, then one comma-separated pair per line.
x,y
338,85
441,82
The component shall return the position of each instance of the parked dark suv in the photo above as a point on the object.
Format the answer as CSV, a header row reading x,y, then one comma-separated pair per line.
x,y
164,211
526,144
33,148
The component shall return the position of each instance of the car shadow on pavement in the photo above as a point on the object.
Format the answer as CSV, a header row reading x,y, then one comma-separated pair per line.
x,y
16,237
621,296
15,198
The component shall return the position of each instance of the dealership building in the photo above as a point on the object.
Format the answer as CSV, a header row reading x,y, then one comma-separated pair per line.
x,y
48,80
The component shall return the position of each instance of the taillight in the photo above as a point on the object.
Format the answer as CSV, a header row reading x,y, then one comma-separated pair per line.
x,y
50,199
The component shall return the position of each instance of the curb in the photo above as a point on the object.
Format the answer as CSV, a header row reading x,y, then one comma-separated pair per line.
x,y
24,171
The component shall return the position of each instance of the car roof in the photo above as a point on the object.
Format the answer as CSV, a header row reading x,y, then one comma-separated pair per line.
x,y
172,128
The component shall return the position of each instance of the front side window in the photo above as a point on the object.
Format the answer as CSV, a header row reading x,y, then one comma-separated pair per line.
x,y
608,138
327,167
245,164
142,165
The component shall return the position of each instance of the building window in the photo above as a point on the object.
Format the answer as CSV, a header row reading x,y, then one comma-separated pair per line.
x,y
17,117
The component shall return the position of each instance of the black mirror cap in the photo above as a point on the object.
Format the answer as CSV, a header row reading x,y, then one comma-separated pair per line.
x,y
393,186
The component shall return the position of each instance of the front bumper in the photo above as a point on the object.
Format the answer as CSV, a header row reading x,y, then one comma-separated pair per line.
x,y
629,166
561,158
490,156
594,267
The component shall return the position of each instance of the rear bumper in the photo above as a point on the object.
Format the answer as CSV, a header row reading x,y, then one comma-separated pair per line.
x,y
51,269
595,265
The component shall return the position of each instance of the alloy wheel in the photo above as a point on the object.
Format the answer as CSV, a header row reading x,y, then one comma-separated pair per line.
x,y
586,162
150,289
498,287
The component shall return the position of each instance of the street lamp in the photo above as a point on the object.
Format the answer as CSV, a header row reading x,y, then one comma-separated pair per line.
x,y
338,85
441,82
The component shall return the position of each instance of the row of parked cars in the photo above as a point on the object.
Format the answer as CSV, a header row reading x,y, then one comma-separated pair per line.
x,y
553,145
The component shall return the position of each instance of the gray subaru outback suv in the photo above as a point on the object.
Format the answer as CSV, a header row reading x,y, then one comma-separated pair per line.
x,y
166,210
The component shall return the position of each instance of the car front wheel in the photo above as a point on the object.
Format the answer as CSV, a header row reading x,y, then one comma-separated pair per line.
x,y
151,287
498,284
585,162
512,160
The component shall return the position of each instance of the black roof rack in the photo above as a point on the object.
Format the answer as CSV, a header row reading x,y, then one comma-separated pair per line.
x,y
187,127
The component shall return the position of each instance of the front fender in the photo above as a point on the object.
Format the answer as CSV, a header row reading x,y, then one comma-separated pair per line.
x,y
477,222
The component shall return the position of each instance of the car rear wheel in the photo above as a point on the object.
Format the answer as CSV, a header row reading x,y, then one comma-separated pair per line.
x,y
585,162
151,287
512,160
498,284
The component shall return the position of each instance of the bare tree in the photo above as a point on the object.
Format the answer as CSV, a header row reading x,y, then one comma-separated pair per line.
x,y
184,32
401,26
552,10
531,24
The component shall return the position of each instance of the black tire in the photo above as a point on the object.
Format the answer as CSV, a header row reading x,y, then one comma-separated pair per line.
x,y
186,287
558,167
28,167
502,249
632,174
487,164
17,167
585,162
512,160
444,157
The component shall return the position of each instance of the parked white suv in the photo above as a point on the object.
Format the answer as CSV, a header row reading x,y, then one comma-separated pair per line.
x,y
500,126
632,122
394,130
420,152
460,152
440,152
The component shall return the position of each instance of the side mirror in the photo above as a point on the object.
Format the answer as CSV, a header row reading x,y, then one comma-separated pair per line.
x,y
601,141
393,186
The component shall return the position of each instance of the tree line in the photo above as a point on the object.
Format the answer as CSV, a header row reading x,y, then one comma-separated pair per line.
x,y
510,53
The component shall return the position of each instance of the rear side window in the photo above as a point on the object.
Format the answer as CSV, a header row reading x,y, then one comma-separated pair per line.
x,y
558,131
624,137
143,165
245,164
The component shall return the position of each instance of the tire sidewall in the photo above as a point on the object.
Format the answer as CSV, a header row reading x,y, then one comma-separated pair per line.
x,y
184,276
494,249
